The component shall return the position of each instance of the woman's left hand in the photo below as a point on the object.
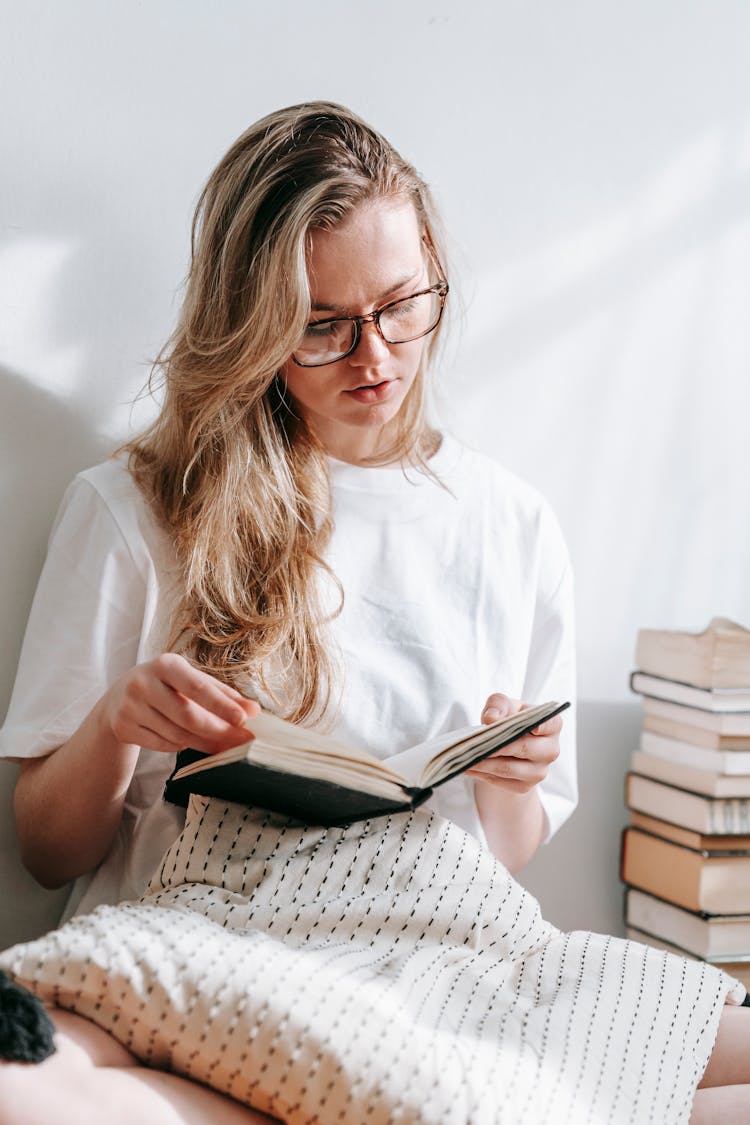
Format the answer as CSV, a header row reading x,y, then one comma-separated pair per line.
x,y
522,764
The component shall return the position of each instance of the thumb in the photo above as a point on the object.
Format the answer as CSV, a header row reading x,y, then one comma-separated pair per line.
x,y
497,707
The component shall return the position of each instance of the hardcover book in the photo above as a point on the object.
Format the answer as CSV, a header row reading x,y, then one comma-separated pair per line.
x,y
730,724
306,775
719,657
713,758
701,813
714,783
706,881
684,731
705,935
705,699
714,842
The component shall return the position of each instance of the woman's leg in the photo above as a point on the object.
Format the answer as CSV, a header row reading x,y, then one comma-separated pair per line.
x,y
91,1076
723,1095
729,1064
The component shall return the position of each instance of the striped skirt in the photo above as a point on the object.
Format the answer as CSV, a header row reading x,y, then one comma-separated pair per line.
x,y
390,971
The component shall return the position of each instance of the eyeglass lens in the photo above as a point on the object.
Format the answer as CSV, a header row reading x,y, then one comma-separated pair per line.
x,y
400,322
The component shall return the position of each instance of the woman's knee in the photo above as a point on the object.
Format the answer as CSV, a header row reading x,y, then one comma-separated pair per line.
x,y
32,1093
79,1036
729,1064
35,1093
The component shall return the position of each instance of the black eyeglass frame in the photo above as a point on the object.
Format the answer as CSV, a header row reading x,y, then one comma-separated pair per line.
x,y
441,288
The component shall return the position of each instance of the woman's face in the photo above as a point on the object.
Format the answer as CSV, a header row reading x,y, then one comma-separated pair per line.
x,y
374,257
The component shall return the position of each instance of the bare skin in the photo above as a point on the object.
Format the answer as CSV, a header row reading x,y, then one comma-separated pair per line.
x,y
90,1070
507,793
723,1095
165,704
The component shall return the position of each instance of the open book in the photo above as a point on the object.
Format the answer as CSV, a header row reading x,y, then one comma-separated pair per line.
x,y
313,778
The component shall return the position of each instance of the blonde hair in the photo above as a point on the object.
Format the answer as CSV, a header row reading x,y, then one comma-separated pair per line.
x,y
237,478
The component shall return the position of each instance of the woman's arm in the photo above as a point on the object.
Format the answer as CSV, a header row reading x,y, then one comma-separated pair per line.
x,y
507,794
513,823
68,805
85,700
526,793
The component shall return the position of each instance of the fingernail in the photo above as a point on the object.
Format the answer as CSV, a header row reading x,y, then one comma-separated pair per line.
x,y
492,714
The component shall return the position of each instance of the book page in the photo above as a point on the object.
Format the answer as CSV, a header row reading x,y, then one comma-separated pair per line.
x,y
274,731
429,762
280,745
411,762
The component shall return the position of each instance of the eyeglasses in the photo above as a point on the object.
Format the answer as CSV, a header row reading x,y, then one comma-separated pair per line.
x,y
399,322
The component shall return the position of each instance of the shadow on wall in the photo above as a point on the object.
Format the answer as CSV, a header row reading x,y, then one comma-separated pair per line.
x,y
44,442
576,876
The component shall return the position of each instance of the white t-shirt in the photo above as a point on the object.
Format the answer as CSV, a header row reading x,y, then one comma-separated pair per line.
x,y
452,591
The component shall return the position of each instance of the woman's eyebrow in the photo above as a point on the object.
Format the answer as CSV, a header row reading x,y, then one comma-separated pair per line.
x,y
322,306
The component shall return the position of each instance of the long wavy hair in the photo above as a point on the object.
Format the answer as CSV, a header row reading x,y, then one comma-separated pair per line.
x,y
235,475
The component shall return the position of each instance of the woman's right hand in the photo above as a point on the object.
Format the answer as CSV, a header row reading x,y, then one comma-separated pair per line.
x,y
69,804
167,704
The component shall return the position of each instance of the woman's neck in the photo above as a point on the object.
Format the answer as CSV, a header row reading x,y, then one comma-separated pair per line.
x,y
381,451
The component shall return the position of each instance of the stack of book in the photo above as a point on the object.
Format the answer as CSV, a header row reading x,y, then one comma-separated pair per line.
x,y
686,852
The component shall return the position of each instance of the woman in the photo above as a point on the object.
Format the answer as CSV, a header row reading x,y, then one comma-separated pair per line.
x,y
292,531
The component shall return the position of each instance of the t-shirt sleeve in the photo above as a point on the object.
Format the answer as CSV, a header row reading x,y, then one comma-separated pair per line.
x,y
551,674
84,627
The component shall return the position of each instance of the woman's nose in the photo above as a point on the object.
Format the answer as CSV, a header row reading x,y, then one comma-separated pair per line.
x,y
371,349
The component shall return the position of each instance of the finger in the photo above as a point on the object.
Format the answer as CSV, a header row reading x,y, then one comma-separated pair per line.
x,y
226,741
529,770
498,706
150,740
180,721
544,750
249,706
150,730
232,692
215,696
154,732
550,727
199,719
211,739
138,719
521,770
193,718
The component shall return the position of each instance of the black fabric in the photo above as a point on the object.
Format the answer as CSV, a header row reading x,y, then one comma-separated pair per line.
x,y
26,1031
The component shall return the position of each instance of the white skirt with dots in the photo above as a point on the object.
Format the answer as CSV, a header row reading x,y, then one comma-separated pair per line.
x,y
390,971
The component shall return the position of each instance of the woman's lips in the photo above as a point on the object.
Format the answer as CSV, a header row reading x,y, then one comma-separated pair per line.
x,y
373,392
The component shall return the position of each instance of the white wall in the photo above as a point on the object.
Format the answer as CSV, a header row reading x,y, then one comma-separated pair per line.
x,y
593,163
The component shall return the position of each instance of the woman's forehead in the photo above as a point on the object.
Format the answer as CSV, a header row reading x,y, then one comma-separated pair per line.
x,y
375,250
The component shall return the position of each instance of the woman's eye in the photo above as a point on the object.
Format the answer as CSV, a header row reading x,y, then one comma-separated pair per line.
x,y
321,331
404,308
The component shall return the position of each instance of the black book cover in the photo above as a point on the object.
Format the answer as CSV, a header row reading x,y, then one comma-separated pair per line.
x,y
309,800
